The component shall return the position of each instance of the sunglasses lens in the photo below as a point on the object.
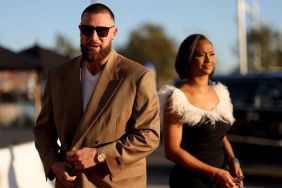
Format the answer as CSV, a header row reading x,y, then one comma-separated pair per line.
x,y
86,30
102,31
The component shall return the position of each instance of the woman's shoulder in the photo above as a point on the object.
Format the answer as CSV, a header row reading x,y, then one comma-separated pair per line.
x,y
173,100
171,93
167,89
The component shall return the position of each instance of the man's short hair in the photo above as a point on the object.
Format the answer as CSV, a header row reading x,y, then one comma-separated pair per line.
x,y
98,8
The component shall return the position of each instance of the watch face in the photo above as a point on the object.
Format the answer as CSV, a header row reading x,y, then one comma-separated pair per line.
x,y
101,157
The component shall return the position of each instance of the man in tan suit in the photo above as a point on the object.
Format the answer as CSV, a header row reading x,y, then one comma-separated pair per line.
x,y
100,114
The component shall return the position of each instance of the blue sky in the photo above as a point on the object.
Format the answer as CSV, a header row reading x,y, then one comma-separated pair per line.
x,y
25,22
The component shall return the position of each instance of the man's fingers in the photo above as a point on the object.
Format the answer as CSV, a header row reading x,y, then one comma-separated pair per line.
x,y
71,153
70,178
72,156
69,182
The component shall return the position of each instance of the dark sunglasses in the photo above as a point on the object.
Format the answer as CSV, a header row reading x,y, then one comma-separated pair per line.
x,y
87,30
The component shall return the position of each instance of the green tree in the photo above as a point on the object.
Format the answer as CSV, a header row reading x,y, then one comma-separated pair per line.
x,y
149,43
265,44
64,46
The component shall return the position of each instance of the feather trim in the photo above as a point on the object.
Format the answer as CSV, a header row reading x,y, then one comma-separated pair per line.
x,y
193,115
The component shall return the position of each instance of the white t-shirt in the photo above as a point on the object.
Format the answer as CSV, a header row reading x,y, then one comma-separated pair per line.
x,y
89,82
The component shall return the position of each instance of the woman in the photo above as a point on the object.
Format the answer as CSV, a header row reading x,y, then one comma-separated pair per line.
x,y
196,119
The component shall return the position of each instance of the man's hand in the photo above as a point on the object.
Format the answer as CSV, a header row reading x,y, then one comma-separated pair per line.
x,y
60,169
82,158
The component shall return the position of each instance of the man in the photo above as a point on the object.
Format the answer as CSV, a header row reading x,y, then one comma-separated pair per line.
x,y
104,110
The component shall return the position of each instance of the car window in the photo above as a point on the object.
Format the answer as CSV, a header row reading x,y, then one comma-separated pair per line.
x,y
269,94
242,92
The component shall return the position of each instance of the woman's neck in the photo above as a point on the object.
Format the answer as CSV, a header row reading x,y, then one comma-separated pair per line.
x,y
200,81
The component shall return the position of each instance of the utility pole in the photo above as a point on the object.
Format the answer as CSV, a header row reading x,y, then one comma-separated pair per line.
x,y
241,21
253,10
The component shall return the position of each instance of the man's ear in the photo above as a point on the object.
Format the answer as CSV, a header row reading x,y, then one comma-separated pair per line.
x,y
115,33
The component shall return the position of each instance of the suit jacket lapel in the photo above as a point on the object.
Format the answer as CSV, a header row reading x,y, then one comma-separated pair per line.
x,y
106,86
72,100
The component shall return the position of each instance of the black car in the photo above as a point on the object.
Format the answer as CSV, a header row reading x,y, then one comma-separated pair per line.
x,y
256,135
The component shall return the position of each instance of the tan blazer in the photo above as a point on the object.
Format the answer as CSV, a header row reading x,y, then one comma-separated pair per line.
x,y
122,119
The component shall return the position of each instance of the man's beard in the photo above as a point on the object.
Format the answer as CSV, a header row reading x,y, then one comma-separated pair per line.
x,y
91,56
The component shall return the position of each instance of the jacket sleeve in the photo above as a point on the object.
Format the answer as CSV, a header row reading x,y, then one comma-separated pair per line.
x,y
45,135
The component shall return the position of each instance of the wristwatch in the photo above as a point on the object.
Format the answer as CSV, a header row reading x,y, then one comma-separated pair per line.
x,y
100,156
